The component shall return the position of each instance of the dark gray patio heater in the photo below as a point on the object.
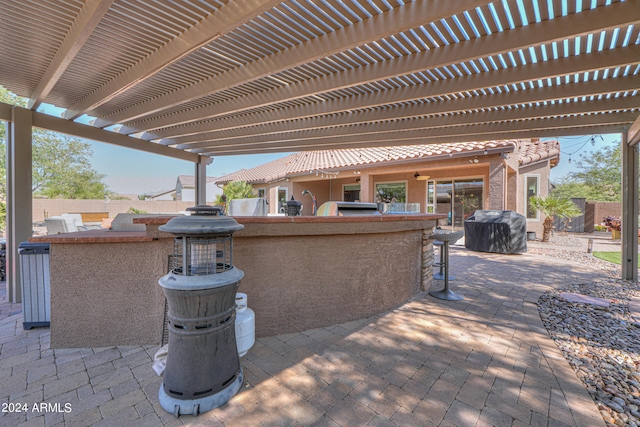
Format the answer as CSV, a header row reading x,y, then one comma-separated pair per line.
x,y
203,368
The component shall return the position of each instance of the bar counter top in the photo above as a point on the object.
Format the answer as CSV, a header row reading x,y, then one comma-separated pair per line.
x,y
325,223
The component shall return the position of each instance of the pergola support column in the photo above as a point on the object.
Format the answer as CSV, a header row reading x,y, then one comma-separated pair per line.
x,y
19,194
629,232
201,179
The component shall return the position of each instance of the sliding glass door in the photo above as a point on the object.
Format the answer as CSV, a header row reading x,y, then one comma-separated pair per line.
x,y
459,199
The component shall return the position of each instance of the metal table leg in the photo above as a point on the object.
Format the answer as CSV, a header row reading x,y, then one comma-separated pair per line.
x,y
446,293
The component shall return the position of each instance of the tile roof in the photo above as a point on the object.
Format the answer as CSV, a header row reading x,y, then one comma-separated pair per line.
x,y
539,150
327,160
190,180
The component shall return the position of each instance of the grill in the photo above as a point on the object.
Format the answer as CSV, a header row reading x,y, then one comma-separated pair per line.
x,y
502,232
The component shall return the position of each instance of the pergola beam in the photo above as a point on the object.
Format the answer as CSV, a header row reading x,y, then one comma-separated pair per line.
x,y
633,135
226,19
88,18
483,131
401,127
550,132
504,77
503,100
56,124
410,15
591,21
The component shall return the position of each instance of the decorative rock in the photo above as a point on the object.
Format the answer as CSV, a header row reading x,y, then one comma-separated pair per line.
x,y
601,344
615,406
619,401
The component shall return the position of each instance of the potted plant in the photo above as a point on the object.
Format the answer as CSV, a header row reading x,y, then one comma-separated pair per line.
x,y
614,225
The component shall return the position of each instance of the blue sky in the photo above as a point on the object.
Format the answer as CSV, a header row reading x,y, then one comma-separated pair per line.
x,y
134,172
129,171
574,147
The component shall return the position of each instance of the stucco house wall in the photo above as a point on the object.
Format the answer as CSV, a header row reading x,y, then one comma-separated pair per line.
x,y
540,170
500,165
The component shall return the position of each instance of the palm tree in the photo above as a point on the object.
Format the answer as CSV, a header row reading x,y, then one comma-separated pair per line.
x,y
551,207
235,190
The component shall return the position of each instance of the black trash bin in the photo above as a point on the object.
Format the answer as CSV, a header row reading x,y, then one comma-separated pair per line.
x,y
503,232
35,284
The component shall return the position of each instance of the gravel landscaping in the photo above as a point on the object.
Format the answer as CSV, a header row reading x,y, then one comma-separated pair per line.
x,y
601,343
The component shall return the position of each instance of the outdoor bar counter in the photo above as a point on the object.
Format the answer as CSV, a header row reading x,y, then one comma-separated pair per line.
x,y
300,273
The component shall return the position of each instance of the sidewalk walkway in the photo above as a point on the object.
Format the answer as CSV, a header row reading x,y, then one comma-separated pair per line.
x,y
486,360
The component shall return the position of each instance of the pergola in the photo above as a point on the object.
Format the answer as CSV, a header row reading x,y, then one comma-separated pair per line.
x,y
196,79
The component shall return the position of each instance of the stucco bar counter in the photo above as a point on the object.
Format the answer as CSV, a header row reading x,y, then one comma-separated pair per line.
x,y
300,273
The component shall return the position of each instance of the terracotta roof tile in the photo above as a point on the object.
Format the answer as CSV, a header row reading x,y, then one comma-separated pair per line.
x,y
329,160
190,180
534,151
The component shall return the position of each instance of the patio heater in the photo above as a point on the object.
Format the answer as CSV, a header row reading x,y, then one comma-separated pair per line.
x,y
203,368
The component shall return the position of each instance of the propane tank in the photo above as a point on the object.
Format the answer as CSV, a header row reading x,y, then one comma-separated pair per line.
x,y
245,325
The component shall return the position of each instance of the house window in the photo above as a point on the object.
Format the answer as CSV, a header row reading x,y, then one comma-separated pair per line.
x,y
351,193
532,187
260,192
431,197
391,192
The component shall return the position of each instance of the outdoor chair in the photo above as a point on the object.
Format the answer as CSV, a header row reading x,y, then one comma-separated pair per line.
x,y
58,224
79,223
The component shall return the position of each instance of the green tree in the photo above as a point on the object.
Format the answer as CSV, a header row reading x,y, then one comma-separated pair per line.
x,y
567,189
597,177
61,164
62,168
553,207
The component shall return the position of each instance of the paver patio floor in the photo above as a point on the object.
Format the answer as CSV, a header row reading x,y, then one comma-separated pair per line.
x,y
486,360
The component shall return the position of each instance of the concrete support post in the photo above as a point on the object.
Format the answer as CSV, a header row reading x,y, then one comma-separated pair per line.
x,y
497,181
19,204
629,210
365,188
201,179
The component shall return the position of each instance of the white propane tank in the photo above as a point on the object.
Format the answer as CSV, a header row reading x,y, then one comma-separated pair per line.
x,y
245,325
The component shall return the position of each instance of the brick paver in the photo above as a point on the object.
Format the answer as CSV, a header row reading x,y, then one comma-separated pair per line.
x,y
483,361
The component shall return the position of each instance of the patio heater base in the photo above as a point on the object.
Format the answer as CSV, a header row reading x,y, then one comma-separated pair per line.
x,y
446,294
198,406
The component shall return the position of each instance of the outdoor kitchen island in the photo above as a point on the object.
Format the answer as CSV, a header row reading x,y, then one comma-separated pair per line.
x,y
301,273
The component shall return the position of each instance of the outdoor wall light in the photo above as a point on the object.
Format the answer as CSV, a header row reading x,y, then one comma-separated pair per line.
x,y
485,152
474,160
